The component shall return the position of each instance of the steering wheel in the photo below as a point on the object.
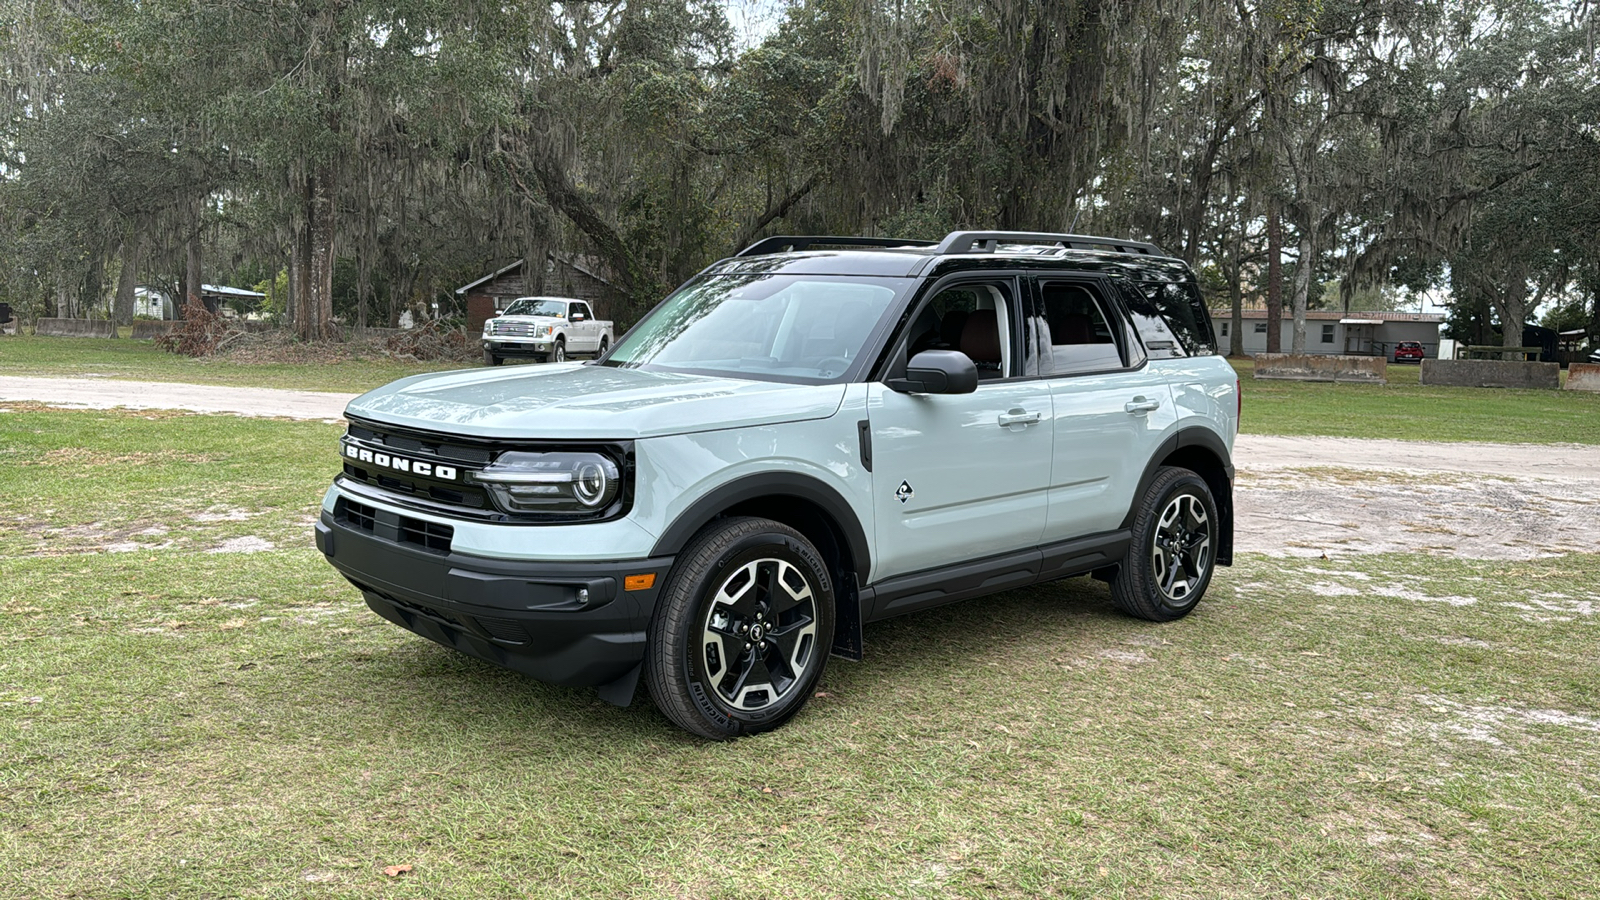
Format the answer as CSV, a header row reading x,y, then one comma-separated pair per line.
x,y
832,365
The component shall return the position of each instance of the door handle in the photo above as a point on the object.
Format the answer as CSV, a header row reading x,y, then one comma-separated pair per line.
x,y
1138,406
1018,417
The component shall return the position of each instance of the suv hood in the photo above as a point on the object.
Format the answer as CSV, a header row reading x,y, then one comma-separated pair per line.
x,y
589,402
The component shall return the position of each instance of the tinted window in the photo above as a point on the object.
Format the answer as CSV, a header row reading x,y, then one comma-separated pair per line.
x,y
1074,334
1172,320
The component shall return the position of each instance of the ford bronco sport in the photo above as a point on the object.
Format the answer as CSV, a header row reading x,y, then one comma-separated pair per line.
x,y
816,434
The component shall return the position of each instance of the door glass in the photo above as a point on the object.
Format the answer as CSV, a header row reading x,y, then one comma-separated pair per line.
x,y
971,318
1075,335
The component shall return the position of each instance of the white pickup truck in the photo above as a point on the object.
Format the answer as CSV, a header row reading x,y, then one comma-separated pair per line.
x,y
545,328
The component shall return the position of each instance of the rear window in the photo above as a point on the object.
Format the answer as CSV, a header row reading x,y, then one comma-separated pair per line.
x,y
1172,320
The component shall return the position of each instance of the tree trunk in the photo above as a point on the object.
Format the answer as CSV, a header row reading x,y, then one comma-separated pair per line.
x,y
192,282
1274,280
127,279
90,292
1513,312
1302,290
316,321
1236,294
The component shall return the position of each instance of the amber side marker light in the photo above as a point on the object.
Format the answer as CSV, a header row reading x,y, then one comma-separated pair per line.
x,y
639,582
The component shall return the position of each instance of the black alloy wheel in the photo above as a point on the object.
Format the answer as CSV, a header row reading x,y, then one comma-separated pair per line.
x,y
742,630
1174,548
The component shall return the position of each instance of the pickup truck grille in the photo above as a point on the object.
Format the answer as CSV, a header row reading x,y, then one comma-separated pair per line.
x,y
515,329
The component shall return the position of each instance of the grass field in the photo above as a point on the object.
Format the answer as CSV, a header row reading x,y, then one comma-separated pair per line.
x,y
193,705
58,357
1406,410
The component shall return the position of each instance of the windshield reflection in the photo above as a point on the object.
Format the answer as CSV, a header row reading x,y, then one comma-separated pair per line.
x,y
808,329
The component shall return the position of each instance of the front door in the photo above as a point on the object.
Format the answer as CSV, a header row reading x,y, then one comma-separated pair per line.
x,y
961,476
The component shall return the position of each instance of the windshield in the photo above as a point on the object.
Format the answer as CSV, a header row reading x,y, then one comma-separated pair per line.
x,y
800,328
537,306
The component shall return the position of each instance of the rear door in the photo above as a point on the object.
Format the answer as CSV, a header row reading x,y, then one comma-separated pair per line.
x,y
1110,410
958,477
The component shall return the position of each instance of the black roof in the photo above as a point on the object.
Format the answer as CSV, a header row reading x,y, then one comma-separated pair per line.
x,y
959,251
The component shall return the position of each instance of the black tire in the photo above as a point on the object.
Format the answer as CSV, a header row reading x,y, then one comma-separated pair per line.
x,y
602,350
1174,549
489,359
558,353
748,599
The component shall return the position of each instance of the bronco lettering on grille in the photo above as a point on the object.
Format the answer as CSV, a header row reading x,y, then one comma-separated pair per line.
x,y
400,463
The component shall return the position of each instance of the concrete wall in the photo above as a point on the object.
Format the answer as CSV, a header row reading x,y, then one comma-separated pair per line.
x,y
1491,373
101,328
1583,377
1307,367
148,330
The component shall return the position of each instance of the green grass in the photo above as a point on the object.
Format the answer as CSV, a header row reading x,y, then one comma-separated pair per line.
x,y
1406,410
60,357
180,723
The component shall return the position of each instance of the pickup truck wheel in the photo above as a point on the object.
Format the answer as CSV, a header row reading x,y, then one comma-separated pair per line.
x,y
558,353
742,630
602,349
1173,552
489,359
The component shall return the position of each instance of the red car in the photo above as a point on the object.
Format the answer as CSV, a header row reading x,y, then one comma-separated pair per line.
x,y
1408,351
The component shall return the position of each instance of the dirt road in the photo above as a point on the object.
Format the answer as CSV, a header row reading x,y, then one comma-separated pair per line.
x,y
1295,495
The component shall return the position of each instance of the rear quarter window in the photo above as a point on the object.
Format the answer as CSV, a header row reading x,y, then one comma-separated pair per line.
x,y
1172,320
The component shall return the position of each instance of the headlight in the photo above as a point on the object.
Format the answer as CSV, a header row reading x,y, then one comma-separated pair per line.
x,y
544,330
488,328
555,482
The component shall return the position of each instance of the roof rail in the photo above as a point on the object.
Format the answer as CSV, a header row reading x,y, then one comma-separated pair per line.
x,y
989,241
782,243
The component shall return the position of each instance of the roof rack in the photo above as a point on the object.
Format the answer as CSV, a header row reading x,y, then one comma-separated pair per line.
x,y
990,241
783,243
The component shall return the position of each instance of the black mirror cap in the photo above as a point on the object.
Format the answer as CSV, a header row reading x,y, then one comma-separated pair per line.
x,y
937,372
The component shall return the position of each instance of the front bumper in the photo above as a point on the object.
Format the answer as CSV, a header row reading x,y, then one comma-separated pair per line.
x,y
529,616
517,347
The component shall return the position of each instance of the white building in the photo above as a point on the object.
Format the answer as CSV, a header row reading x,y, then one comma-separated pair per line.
x,y
1335,333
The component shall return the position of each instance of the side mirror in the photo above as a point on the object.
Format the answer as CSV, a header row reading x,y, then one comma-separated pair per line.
x,y
499,312
937,372
577,317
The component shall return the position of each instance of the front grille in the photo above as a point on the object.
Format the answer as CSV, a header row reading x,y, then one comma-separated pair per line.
x,y
518,329
356,515
441,450
429,536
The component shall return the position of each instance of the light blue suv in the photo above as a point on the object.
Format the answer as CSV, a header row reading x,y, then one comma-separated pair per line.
x,y
818,433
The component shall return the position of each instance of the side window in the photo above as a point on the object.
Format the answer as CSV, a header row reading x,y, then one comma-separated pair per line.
x,y
1172,320
1076,333
1327,334
1261,328
580,309
974,318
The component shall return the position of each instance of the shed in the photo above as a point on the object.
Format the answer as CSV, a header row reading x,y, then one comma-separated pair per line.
x,y
1337,334
564,276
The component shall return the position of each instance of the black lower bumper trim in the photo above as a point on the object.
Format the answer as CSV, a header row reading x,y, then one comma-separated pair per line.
x,y
569,623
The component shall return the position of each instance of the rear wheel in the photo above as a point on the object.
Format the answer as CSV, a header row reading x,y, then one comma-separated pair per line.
x,y
1173,551
489,359
743,629
602,349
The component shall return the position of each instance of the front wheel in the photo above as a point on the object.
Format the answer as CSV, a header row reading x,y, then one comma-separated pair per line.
x,y
743,629
1173,551
559,352
489,359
